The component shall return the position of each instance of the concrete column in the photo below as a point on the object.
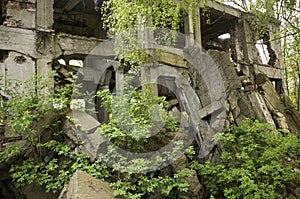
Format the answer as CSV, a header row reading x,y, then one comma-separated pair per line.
x,y
45,13
249,42
276,46
198,27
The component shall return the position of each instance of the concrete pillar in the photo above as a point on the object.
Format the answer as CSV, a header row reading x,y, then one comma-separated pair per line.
x,y
198,27
45,13
249,42
276,46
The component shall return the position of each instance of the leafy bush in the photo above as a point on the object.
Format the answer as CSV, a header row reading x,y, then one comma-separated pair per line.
x,y
257,161
55,170
134,116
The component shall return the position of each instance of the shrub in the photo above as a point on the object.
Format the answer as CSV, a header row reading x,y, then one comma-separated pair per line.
x,y
257,161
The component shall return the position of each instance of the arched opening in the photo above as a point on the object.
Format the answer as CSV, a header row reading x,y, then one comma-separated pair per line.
x,y
107,81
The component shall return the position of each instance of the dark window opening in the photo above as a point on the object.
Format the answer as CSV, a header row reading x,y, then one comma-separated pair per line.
x,y
218,32
166,87
278,85
78,17
3,55
3,11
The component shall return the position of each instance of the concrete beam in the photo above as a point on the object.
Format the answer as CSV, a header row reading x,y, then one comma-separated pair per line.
x,y
79,45
19,40
209,109
223,8
273,73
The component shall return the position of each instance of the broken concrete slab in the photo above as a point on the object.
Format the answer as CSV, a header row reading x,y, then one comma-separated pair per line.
x,y
84,121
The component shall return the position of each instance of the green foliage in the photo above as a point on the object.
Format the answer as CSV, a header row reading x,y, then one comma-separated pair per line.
x,y
134,115
257,161
9,152
147,184
129,20
54,172
120,15
56,169
30,102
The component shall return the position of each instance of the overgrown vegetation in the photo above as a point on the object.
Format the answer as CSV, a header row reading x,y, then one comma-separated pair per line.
x,y
54,168
135,116
257,161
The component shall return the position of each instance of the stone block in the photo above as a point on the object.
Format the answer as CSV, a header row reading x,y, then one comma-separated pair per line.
x,y
84,121
84,186
174,112
260,108
180,163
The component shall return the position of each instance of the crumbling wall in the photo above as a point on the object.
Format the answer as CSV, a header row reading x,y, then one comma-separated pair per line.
x,y
20,14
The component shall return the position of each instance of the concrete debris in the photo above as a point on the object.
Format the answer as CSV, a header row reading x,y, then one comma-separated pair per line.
x,y
82,185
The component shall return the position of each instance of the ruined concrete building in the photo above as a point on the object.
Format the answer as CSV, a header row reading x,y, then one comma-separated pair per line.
x,y
38,36
36,33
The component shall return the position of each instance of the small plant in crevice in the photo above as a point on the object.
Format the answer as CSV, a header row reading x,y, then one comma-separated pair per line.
x,y
257,161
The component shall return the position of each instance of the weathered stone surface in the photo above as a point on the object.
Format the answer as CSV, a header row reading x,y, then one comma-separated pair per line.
x,y
18,67
274,73
84,186
77,45
34,191
86,135
85,121
281,121
172,59
44,13
260,109
180,163
19,40
196,190
20,14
